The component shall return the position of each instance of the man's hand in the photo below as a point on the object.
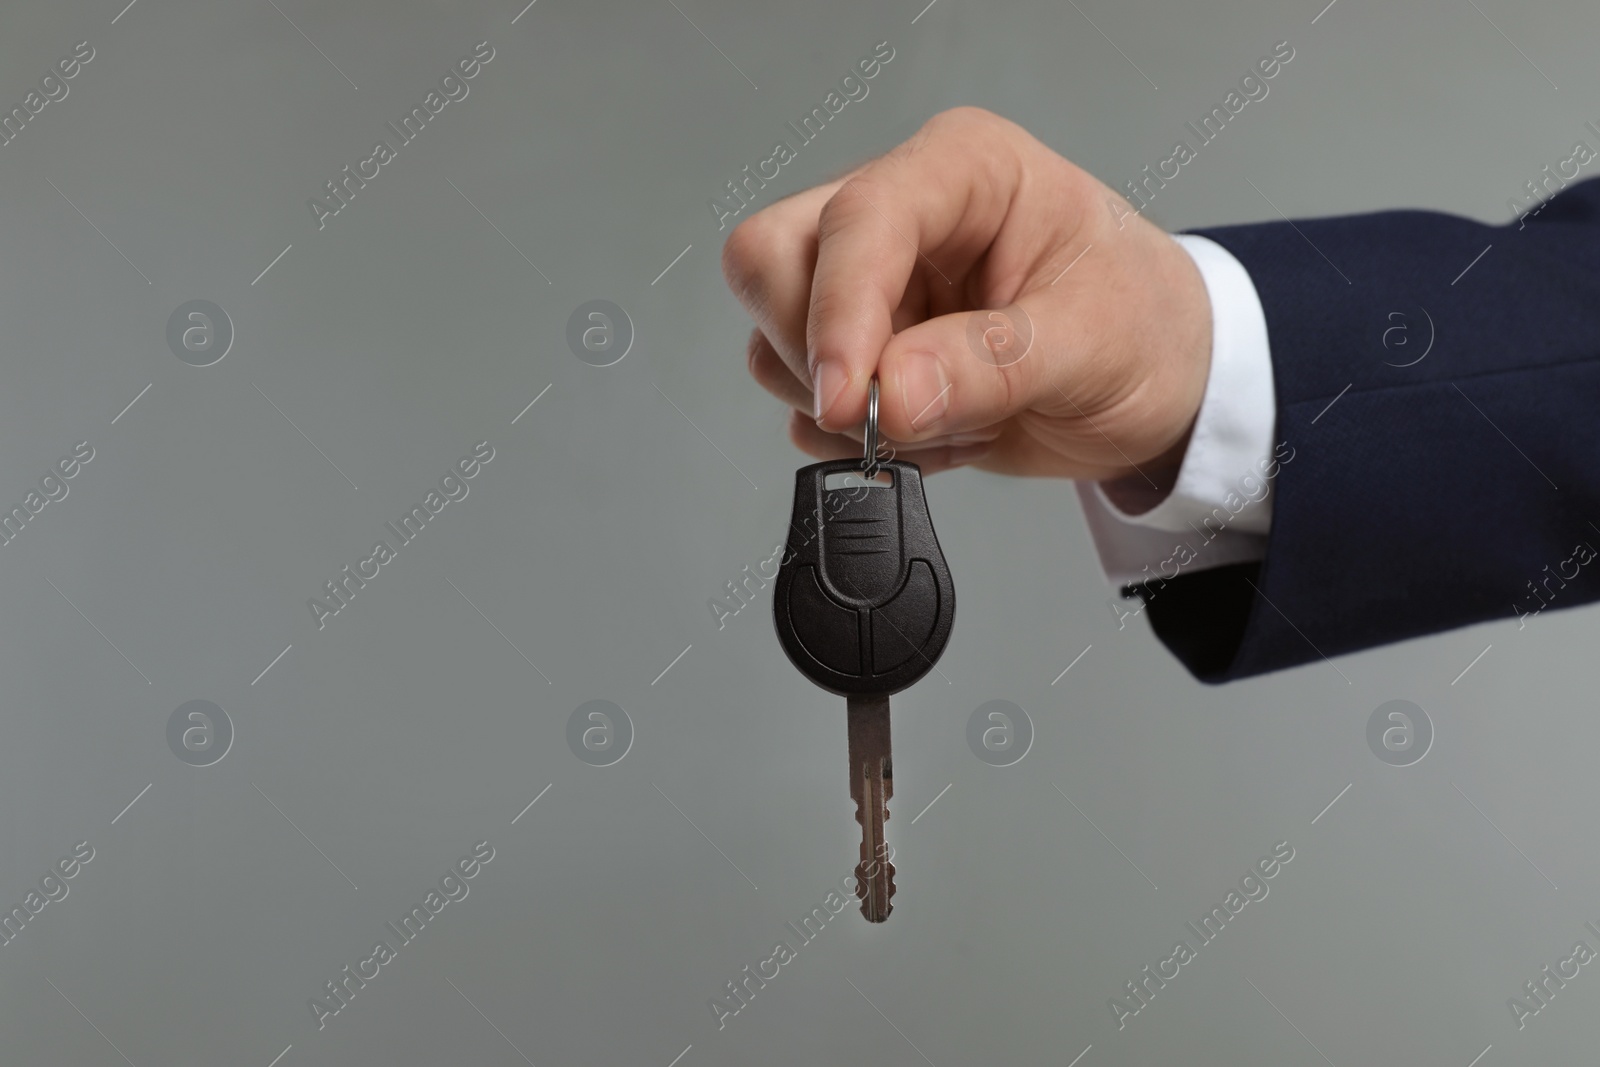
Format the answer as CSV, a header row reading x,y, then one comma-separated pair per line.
x,y
1019,316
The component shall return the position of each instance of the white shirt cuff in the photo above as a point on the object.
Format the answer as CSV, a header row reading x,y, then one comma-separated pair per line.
x,y
1220,507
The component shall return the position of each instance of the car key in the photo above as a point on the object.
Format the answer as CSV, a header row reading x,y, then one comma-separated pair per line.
x,y
863,606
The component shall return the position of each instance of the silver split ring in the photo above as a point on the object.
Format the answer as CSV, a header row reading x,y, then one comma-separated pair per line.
x,y
870,457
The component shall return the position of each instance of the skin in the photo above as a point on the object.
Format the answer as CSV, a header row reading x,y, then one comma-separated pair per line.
x,y
882,271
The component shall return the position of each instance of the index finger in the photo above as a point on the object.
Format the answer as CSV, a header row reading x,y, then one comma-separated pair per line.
x,y
943,192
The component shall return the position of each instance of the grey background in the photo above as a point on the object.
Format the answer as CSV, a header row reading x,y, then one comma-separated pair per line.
x,y
408,728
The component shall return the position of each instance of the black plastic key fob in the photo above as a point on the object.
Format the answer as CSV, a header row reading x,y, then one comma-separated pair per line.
x,y
863,602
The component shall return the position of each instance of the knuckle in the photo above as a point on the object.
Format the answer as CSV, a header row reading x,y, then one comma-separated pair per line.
x,y
977,135
963,122
767,368
1017,383
755,357
965,114
846,203
742,253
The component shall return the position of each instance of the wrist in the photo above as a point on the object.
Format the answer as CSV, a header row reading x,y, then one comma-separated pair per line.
x,y
1177,339
1211,469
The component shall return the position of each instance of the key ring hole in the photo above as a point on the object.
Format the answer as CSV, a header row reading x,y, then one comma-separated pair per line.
x,y
867,479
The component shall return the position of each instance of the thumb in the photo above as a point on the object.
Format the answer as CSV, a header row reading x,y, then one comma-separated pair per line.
x,y
967,371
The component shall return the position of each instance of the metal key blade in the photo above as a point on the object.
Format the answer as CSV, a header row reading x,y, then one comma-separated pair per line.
x,y
871,786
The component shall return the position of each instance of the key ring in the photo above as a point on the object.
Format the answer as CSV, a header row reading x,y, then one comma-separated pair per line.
x,y
870,438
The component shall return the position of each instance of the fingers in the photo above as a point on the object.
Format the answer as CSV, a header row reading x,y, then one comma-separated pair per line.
x,y
932,207
942,223
768,260
773,374
960,373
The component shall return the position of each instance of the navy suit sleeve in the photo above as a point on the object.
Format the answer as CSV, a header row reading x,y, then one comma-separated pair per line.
x,y
1462,488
